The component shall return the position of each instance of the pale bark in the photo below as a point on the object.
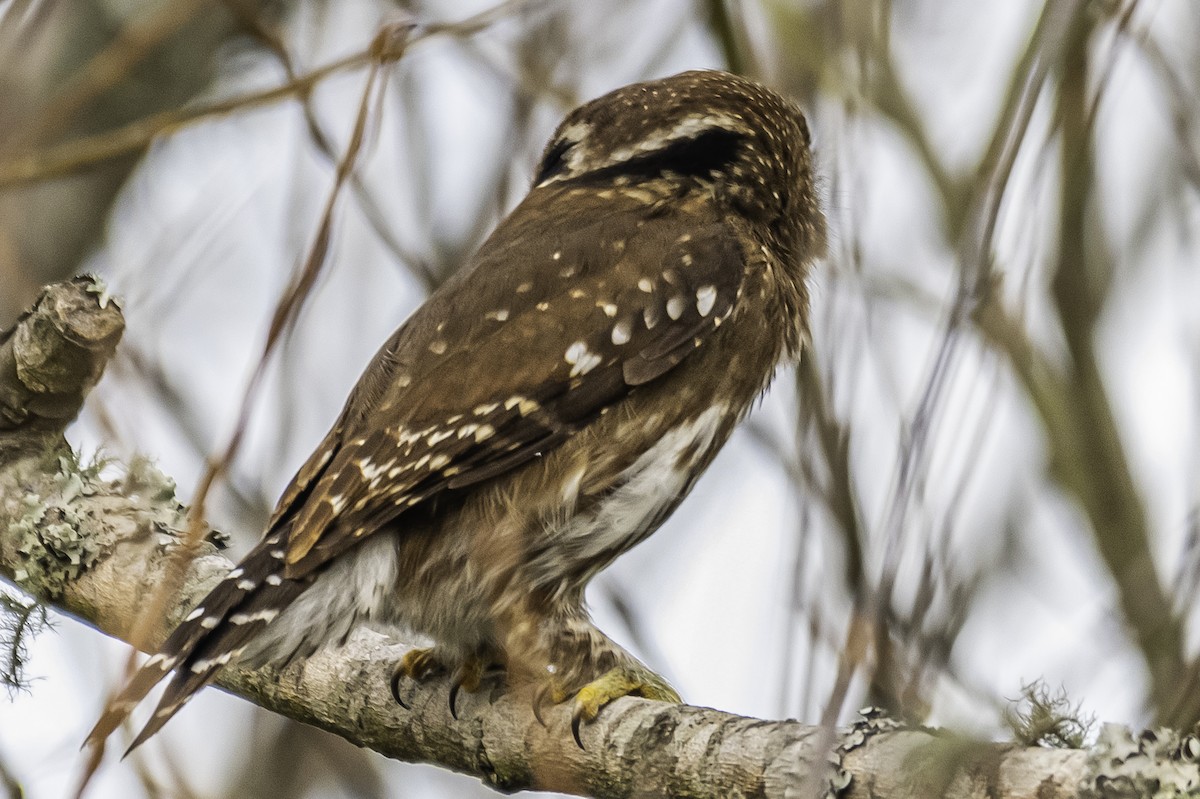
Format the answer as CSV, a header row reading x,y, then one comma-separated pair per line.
x,y
96,548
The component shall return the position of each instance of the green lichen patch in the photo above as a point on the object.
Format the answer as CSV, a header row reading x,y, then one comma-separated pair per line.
x,y
97,286
144,479
51,547
48,524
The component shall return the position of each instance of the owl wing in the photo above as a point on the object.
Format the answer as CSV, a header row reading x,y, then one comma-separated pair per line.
x,y
546,330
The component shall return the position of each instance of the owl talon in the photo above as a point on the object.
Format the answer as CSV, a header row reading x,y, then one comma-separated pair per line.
x,y
538,699
395,683
612,685
416,664
576,718
469,676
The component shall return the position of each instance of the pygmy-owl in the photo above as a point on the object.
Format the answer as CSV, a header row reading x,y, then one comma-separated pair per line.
x,y
544,411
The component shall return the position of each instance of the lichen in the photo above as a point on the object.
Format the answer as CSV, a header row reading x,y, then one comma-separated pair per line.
x,y
143,479
52,548
49,530
1042,718
871,721
97,286
1156,764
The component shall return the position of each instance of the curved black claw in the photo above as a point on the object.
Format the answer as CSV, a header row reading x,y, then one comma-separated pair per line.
x,y
576,718
395,683
454,699
538,700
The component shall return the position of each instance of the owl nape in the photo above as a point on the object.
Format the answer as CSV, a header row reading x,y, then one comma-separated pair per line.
x,y
544,411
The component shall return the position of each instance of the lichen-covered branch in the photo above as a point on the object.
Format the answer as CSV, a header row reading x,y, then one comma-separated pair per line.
x,y
94,547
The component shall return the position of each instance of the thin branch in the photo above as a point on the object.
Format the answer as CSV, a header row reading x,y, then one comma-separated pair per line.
x,y
107,68
86,151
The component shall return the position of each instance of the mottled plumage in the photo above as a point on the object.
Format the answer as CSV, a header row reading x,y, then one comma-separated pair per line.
x,y
545,410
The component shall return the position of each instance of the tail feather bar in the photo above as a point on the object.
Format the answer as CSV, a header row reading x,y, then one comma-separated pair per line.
x,y
213,634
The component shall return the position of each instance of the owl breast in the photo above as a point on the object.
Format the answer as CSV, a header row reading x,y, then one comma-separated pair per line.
x,y
631,508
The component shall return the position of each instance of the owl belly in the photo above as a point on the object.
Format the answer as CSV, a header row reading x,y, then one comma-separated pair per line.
x,y
574,549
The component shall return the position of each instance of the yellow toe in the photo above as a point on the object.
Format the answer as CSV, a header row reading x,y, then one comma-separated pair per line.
x,y
614,684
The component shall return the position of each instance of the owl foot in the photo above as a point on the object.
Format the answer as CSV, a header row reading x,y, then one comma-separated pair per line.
x,y
613,684
468,676
418,664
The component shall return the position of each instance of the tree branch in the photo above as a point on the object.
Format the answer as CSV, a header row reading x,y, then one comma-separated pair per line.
x,y
93,547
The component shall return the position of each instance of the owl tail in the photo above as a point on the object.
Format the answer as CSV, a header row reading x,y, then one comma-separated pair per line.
x,y
217,631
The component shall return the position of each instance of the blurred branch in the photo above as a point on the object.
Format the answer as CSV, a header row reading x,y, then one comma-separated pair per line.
x,y
721,23
1092,464
839,489
249,17
74,155
93,548
108,67
12,788
77,154
1087,461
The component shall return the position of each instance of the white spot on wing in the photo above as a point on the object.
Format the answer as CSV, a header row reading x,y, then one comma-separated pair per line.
x,y
201,666
524,405
675,307
499,315
582,359
706,297
645,285
246,618
195,614
437,346
621,332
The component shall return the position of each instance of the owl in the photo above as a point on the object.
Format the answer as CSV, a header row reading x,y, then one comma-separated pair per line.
x,y
544,411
